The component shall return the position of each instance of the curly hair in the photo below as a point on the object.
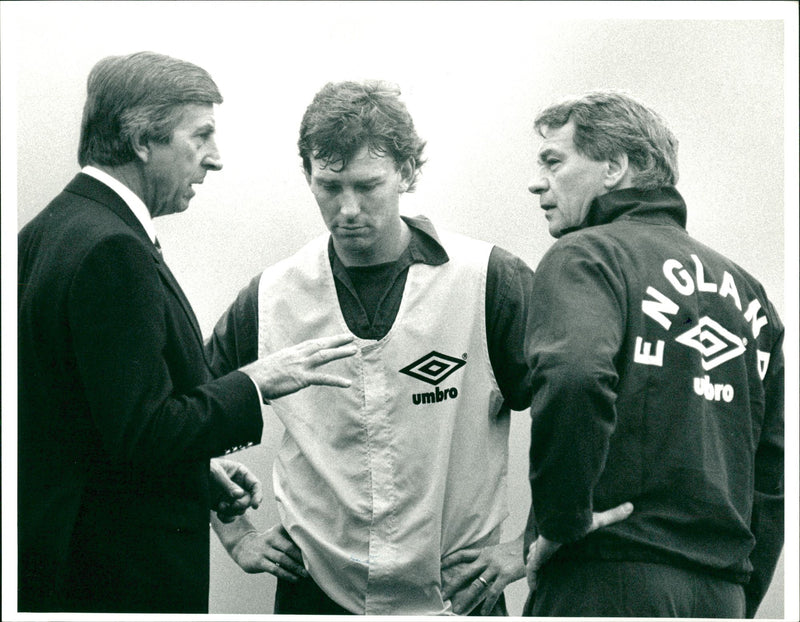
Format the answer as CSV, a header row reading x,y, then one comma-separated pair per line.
x,y
345,116
142,95
611,122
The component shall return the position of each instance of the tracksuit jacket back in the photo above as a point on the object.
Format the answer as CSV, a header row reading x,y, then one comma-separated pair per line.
x,y
657,379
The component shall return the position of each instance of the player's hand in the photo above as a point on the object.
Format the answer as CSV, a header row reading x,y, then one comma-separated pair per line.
x,y
272,551
543,549
474,576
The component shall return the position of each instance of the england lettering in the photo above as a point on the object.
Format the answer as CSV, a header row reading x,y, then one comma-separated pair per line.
x,y
716,344
684,284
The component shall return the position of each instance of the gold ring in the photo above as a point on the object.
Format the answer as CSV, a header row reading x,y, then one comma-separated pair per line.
x,y
482,580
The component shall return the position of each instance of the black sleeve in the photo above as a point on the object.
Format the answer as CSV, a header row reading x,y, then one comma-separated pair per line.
x,y
234,342
576,327
508,290
118,314
767,521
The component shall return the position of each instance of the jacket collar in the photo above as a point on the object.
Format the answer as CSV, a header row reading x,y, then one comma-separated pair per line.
x,y
95,190
132,200
662,205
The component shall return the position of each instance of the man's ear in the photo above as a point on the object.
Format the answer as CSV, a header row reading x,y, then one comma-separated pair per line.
x,y
141,147
618,172
406,175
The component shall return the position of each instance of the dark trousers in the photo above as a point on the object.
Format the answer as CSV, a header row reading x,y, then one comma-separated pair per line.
x,y
632,589
306,598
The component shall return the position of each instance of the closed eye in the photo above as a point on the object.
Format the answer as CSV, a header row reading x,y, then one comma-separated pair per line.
x,y
549,158
205,131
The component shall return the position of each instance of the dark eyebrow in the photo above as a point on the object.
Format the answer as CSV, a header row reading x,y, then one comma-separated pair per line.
x,y
358,182
367,182
206,128
546,153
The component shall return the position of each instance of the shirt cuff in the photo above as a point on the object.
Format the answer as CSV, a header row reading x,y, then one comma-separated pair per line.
x,y
258,389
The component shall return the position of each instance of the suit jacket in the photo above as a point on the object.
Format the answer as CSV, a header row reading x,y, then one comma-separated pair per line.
x,y
118,416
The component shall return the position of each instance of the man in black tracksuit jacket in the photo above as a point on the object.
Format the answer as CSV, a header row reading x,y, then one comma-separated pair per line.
x,y
657,374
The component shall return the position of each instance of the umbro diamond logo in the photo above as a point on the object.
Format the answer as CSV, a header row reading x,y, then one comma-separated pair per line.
x,y
715,343
433,367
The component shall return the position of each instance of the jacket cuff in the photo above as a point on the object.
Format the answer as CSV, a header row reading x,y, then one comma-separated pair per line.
x,y
243,418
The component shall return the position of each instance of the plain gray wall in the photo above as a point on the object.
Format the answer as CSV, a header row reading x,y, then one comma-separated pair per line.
x,y
473,75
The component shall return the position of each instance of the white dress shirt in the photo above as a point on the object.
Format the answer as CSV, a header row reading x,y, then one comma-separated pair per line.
x,y
131,199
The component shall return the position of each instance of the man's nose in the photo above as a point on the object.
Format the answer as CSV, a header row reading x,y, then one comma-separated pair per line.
x,y
213,161
348,203
537,185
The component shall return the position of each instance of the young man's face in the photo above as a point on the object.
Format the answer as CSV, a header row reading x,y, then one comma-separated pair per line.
x,y
171,169
360,205
566,181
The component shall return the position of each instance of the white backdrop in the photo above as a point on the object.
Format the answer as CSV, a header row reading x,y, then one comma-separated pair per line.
x,y
473,75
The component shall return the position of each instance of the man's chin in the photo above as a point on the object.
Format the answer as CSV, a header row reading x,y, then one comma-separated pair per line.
x,y
181,206
173,208
351,240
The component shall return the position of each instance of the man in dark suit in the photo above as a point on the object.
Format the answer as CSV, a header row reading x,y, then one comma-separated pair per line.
x,y
118,415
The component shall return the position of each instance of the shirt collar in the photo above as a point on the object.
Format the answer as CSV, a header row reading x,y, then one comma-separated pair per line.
x,y
135,204
425,246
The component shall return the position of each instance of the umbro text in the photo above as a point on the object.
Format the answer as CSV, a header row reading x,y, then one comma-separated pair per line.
x,y
713,392
434,396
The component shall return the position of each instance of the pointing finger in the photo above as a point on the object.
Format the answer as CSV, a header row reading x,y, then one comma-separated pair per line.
x,y
329,380
334,341
332,354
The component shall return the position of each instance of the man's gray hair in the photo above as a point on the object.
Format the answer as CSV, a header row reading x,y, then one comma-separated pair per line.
x,y
608,123
138,95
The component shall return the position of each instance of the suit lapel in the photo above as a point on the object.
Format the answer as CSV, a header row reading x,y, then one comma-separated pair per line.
x,y
171,282
89,187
